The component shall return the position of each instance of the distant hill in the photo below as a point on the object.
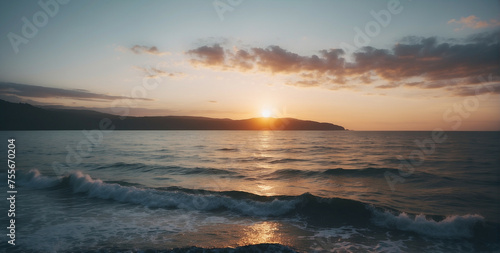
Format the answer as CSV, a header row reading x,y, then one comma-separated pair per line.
x,y
21,116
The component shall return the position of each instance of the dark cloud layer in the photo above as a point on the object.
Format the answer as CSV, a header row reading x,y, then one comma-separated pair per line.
x,y
451,63
430,59
33,91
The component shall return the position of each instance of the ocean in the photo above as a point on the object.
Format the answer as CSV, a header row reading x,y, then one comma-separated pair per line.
x,y
253,191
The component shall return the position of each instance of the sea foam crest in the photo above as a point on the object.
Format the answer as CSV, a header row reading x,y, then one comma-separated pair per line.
x,y
34,179
96,188
306,205
455,226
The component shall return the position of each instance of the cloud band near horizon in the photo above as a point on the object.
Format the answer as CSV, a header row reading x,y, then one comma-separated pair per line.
x,y
34,91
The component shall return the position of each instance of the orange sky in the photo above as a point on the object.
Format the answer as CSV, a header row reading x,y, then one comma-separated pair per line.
x,y
364,65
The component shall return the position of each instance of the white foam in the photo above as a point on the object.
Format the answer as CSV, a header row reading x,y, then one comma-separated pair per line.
x,y
344,232
34,179
451,227
330,244
96,188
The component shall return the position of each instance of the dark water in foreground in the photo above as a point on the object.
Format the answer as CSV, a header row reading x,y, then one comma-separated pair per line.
x,y
313,191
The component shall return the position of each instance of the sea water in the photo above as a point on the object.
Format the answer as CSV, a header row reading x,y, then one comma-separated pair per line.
x,y
306,191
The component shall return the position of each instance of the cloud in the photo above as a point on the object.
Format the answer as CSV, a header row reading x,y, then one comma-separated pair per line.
x,y
273,59
208,55
152,72
131,111
473,22
177,75
327,67
478,90
389,85
139,49
431,60
438,64
33,91
484,38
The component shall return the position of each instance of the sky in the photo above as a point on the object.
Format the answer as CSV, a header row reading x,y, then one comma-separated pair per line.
x,y
364,65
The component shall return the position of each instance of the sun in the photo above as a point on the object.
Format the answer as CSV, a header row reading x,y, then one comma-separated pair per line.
x,y
266,113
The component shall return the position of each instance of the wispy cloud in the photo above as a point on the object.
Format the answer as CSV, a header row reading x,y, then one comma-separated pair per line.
x,y
33,91
437,64
464,91
140,49
152,72
473,22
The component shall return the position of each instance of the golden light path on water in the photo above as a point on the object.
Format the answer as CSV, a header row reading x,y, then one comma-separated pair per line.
x,y
266,231
255,230
261,158
263,232
248,232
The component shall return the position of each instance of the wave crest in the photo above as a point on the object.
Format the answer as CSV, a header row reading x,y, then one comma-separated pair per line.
x,y
317,211
455,226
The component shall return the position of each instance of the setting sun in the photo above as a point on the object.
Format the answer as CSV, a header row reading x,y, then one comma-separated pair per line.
x,y
234,126
266,113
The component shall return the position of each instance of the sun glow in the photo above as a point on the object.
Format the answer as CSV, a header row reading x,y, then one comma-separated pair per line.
x,y
266,113
263,232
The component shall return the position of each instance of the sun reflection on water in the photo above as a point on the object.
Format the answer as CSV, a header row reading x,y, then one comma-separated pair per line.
x,y
262,232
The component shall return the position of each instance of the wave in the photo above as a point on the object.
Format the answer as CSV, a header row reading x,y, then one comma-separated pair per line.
x,y
288,173
319,148
173,170
287,160
196,170
451,227
316,211
370,172
122,166
228,149
156,198
34,179
264,247
253,159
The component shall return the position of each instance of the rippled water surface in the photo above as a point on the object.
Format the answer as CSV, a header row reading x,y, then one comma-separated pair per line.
x,y
308,190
